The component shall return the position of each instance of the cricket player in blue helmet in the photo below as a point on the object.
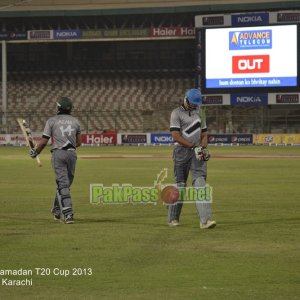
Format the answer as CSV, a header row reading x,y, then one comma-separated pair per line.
x,y
190,154
192,99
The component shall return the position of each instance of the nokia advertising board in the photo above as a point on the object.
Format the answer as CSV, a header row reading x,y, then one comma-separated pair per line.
x,y
250,59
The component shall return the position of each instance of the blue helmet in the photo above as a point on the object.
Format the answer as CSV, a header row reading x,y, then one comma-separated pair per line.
x,y
194,96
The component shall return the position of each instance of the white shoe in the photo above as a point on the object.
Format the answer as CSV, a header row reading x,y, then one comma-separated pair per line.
x,y
69,219
174,223
56,215
209,224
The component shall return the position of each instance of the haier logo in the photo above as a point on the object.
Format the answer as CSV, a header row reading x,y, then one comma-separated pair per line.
x,y
250,39
255,99
250,19
251,64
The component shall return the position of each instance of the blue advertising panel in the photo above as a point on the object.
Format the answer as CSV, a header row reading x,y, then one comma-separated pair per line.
x,y
249,99
250,19
244,139
250,39
67,34
161,138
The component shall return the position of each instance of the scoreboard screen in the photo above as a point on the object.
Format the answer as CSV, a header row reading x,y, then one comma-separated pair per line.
x,y
261,58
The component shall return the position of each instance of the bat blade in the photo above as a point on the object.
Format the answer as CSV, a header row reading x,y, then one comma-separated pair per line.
x,y
28,137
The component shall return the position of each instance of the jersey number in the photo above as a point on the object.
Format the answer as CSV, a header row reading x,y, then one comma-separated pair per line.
x,y
67,130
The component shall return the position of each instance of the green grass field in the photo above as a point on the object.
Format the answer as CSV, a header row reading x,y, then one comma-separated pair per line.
x,y
253,253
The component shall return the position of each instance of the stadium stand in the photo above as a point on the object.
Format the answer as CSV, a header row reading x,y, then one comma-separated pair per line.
x,y
118,85
102,100
131,101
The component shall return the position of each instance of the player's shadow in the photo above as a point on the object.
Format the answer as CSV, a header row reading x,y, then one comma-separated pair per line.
x,y
147,220
96,220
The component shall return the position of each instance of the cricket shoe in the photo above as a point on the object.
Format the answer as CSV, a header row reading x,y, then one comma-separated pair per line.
x,y
56,215
174,223
69,219
209,225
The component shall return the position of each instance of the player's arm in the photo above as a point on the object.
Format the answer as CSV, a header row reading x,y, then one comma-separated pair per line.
x,y
34,152
178,138
42,144
78,140
204,139
203,136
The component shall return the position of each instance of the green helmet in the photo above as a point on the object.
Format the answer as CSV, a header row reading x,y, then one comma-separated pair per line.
x,y
64,105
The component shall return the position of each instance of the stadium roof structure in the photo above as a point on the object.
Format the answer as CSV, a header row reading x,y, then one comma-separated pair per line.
x,y
24,8
20,15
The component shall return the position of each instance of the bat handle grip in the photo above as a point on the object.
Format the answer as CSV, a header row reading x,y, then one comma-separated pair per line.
x,y
38,161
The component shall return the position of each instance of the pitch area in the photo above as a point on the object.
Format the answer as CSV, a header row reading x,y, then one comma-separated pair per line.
x,y
128,251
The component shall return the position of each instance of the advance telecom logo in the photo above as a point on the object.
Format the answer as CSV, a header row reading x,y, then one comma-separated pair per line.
x,y
250,39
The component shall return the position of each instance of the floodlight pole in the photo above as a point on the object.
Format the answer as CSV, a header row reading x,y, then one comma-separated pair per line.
x,y
4,83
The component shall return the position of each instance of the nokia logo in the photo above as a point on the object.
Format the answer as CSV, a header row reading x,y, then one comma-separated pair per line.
x,y
249,19
66,34
248,99
163,139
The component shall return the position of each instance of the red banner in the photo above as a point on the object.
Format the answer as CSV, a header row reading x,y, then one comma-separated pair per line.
x,y
4,139
19,139
172,31
99,139
251,64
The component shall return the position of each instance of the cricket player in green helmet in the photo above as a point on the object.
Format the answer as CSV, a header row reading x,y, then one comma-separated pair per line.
x,y
64,130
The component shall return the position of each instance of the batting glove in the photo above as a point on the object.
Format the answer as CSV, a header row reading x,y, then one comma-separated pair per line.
x,y
33,153
202,153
